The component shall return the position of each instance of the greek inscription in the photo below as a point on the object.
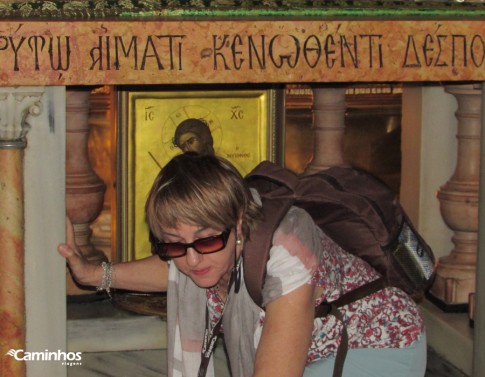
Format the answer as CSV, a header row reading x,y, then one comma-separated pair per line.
x,y
255,53
439,61
237,113
459,50
36,45
241,155
292,54
138,53
444,50
306,53
63,54
477,50
149,113
373,43
31,53
411,55
312,51
235,52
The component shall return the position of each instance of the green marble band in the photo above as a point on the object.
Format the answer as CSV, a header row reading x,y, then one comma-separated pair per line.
x,y
146,9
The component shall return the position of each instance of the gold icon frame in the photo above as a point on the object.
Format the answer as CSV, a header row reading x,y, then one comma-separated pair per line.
x,y
243,125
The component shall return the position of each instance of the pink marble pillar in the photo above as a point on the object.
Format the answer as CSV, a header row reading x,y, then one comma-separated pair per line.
x,y
84,189
15,106
458,198
12,297
329,127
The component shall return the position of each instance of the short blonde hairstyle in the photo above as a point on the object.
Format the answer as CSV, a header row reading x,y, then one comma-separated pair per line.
x,y
202,190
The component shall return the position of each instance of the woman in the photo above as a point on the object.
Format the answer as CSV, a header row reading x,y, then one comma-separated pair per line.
x,y
200,212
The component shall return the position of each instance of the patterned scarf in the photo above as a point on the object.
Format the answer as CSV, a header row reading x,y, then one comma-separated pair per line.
x,y
186,324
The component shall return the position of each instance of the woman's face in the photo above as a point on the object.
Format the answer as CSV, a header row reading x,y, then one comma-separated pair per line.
x,y
206,270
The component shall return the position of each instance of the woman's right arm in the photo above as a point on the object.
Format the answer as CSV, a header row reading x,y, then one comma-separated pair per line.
x,y
144,275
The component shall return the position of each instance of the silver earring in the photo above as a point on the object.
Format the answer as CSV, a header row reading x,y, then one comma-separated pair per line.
x,y
239,241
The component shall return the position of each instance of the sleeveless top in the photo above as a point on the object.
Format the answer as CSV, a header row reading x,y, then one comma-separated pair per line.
x,y
303,254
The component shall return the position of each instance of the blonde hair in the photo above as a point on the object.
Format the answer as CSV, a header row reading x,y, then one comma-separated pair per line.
x,y
202,190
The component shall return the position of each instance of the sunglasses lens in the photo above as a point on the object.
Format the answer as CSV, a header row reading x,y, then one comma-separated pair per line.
x,y
172,250
209,245
169,250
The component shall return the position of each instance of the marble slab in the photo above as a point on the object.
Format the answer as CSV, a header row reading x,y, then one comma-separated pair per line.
x,y
117,343
148,363
116,334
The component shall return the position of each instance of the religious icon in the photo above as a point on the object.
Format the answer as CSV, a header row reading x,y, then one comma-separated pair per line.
x,y
155,126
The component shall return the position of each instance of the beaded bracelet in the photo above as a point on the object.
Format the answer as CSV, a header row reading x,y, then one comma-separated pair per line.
x,y
107,278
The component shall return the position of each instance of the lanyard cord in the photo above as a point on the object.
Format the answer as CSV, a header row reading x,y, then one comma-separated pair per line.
x,y
211,334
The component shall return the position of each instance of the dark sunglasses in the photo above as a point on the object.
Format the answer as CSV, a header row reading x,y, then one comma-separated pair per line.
x,y
206,245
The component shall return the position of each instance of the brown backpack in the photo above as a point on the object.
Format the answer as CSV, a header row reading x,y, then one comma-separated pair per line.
x,y
356,210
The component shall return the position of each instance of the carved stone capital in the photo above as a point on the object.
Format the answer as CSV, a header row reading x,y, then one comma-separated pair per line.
x,y
16,105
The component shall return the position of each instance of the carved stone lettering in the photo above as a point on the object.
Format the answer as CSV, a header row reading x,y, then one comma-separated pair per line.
x,y
238,51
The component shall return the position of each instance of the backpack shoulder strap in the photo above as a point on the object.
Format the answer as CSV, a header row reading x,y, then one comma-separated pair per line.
x,y
256,250
267,178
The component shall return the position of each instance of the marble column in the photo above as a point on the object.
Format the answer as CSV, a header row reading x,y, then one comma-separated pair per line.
x,y
84,189
329,127
458,198
102,153
16,105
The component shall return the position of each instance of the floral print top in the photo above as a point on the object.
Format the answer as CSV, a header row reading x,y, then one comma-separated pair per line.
x,y
303,254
